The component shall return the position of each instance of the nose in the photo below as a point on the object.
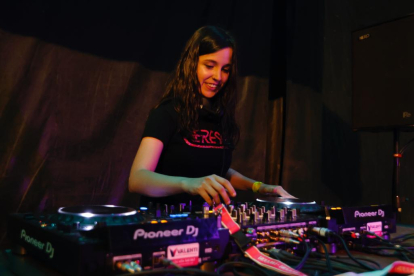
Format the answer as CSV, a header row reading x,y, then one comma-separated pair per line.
x,y
217,75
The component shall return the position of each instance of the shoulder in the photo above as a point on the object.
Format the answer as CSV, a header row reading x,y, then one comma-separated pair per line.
x,y
164,113
164,110
162,122
166,107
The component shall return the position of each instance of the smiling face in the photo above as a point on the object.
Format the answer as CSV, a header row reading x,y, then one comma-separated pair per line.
x,y
213,71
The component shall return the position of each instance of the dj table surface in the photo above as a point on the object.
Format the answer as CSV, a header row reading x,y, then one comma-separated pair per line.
x,y
12,264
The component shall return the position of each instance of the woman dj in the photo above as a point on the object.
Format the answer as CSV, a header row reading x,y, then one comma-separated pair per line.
x,y
189,136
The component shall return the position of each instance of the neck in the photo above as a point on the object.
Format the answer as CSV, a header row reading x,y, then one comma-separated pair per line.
x,y
208,103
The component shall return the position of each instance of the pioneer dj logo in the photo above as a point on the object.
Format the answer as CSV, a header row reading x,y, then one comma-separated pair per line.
x,y
47,247
189,231
379,213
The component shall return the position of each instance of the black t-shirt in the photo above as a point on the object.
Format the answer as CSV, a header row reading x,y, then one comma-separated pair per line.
x,y
201,155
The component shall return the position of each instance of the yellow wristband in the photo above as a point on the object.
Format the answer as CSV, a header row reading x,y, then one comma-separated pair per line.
x,y
256,186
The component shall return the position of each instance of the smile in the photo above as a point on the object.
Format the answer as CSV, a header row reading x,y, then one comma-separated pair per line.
x,y
211,85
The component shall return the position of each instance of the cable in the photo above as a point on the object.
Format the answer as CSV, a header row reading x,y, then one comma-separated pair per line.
x,y
186,271
392,246
232,265
325,232
305,257
342,259
410,236
325,249
338,266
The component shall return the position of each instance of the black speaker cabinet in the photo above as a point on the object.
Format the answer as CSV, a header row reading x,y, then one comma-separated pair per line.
x,y
383,76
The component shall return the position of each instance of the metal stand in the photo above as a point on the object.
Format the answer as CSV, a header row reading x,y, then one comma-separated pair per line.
x,y
398,153
396,174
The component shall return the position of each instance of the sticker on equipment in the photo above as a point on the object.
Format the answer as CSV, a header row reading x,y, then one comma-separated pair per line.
x,y
184,254
375,227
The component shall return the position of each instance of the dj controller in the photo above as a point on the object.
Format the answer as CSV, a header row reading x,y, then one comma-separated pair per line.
x,y
111,240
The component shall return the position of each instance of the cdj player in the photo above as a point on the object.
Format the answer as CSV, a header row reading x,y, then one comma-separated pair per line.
x,y
99,240
112,240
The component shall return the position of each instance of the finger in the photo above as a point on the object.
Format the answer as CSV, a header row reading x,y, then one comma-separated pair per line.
x,y
268,189
279,190
221,190
226,184
211,190
206,197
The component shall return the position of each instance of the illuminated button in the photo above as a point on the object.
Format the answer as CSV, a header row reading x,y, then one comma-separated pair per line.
x,y
178,215
154,222
164,221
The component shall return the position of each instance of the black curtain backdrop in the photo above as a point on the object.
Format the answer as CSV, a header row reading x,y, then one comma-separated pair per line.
x,y
77,81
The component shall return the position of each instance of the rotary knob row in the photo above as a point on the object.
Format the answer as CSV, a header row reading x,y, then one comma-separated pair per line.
x,y
256,214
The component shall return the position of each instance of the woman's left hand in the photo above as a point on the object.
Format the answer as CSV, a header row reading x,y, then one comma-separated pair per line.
x,y
274,189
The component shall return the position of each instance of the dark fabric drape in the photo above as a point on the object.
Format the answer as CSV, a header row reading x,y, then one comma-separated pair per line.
x,y
77,83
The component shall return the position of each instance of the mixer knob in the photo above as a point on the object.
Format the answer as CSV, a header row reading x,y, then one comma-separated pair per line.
x,y
158,213
231,208
273,210
252,210
240,218
252,218
206,209
158,210
172,209
269,215
289,214
100,224
190,206
181,207
76,225
234,214
281,214
265,217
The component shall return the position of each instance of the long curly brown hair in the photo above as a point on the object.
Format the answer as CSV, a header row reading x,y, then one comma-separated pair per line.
x,y
184,87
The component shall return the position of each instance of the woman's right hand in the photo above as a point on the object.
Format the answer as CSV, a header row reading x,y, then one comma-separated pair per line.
x,y
211,188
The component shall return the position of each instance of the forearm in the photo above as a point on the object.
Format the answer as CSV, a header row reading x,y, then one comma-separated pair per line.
x,y
153,184
239,181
